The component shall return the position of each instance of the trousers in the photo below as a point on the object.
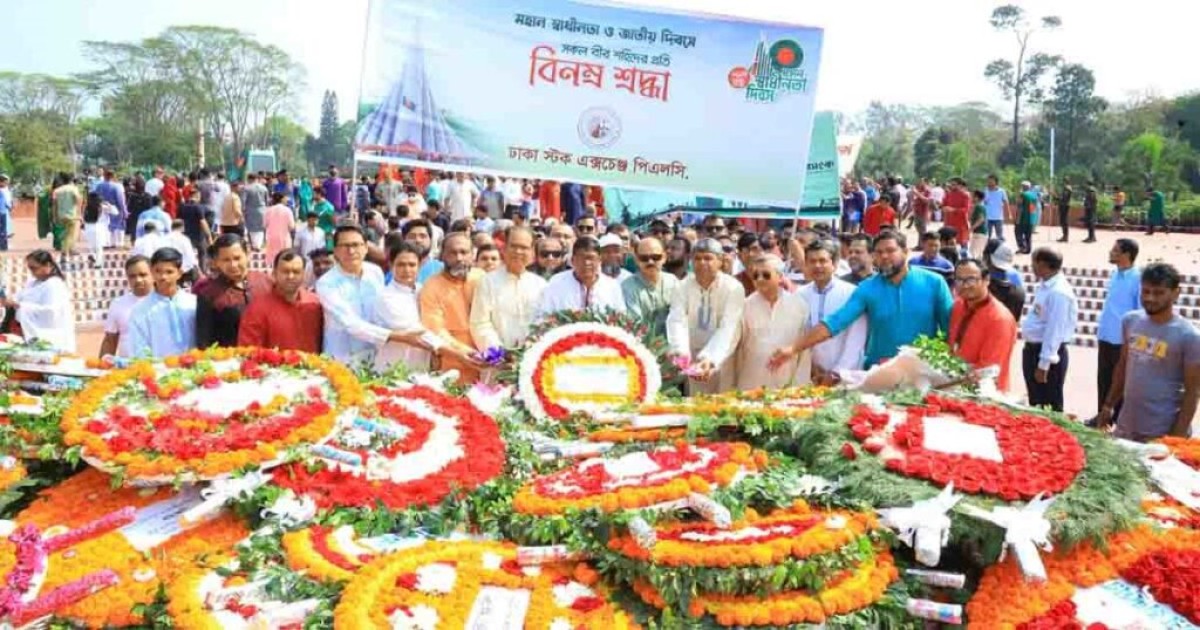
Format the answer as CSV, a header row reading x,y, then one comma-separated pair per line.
x,y
1050,393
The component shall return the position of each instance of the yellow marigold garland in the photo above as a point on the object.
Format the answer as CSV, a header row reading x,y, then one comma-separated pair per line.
x,y
304,555
184,604
819,539
87,496
374,592
1005,598
87,402
625,436
12,470
864,586
754,401
742,458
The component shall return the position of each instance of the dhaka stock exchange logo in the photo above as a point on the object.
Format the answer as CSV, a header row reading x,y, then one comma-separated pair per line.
x,y
775,72
599,127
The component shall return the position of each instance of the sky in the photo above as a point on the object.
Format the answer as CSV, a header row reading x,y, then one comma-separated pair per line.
x,y
922,52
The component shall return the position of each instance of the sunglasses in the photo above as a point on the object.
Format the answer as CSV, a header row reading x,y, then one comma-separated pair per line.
x,y
761,275
551,253
649,258
729,249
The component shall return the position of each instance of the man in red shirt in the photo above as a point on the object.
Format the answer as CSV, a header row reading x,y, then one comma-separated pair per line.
x,y
878,215
982,330
289,317
956,210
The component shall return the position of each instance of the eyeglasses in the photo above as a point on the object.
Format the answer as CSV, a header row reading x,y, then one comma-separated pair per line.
x,y
649,258
967,282
761,275
551,253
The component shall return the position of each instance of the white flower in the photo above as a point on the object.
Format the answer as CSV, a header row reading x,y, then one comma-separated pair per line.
x,y
436,578
355,438
415,618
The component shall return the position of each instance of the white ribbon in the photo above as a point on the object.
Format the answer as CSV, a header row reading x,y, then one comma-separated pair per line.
x,y
924,526
290,510
1026,531
220,492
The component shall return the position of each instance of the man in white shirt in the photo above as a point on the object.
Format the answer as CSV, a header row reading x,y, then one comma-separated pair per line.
x,y
309,237
507,299
155,184
183,245
705,320
612,256
116,322
151,240
461,196
513,190
769,322
826,294
1048,330
582,287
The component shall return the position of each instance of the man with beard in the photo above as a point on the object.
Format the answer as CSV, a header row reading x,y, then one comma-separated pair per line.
x,y
551,257
1157,380
901,303
862,263
705,320
420,234
446,305
612,256
678,252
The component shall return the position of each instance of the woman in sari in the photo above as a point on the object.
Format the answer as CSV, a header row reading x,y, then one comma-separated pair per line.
x,y
170,196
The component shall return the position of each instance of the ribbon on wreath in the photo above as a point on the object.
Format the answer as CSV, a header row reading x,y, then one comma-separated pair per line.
x,y
924,526
1026,530
220,492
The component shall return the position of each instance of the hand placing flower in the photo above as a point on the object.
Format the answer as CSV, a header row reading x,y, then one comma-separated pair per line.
x,y
493,356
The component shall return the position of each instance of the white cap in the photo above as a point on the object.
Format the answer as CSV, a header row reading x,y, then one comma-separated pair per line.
x,y
609,240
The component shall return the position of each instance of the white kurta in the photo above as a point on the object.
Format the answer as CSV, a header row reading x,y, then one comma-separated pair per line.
x,y
565,293
398,309
845,351
704,324
767,327
46,313
504,307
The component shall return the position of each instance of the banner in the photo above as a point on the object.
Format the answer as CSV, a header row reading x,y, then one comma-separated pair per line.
x,y
822,197
596,94
848,148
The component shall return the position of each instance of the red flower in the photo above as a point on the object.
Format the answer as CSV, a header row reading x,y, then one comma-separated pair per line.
x,y
407,581
848,451
587,604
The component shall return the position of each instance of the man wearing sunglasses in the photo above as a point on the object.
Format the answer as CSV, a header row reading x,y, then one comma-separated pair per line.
x,y
586,226
648,292
770,322
705,320
749,249
551,257
713,226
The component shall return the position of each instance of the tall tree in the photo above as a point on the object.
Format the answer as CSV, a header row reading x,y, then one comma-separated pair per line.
x,y
327,139
1021,80
1072,108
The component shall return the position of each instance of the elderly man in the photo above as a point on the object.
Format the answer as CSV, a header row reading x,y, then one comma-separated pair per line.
x,y
769,322
564,233
705,319
506,300
612,256
749,249
446,304
826,294
551,257
648,293
582,287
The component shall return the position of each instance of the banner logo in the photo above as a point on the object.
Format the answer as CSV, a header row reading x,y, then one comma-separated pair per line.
x,y
599,127
777,71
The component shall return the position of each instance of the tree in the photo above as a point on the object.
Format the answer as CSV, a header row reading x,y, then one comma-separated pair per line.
x,y
1072,108
29,144
929,153
1020,80
326,142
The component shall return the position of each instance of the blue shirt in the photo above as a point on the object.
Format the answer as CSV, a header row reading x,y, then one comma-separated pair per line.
x,y
5,201
896,314
938,263
993,201
162,326
155,214
429,269
349,305
871,193
1124,295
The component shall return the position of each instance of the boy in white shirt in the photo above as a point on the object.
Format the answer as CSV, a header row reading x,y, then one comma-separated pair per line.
x,y
309,237
116,323
180,241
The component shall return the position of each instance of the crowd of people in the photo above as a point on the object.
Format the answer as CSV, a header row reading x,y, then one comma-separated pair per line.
x,y
435,280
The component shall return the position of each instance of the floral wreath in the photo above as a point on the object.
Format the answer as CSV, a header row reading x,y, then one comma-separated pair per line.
x,y
439,584
328,554
213,595
853,591
639,479
1109,477
89,496
1186,450
415,447
592,346
207,413
1165,563
12,472
1036,456
793,549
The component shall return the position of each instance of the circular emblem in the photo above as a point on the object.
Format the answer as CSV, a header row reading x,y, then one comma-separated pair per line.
x,y
599,127
739,78
786,54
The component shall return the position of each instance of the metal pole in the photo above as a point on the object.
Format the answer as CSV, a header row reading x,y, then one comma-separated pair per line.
x,y
1052,154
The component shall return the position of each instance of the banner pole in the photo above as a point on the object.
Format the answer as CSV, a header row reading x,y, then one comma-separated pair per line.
x,y
358,99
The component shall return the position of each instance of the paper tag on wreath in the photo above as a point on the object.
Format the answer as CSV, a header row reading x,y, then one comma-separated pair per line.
x,y
497,608
159,522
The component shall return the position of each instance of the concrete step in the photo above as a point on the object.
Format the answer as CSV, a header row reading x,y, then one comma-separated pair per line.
x,y
1100,272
